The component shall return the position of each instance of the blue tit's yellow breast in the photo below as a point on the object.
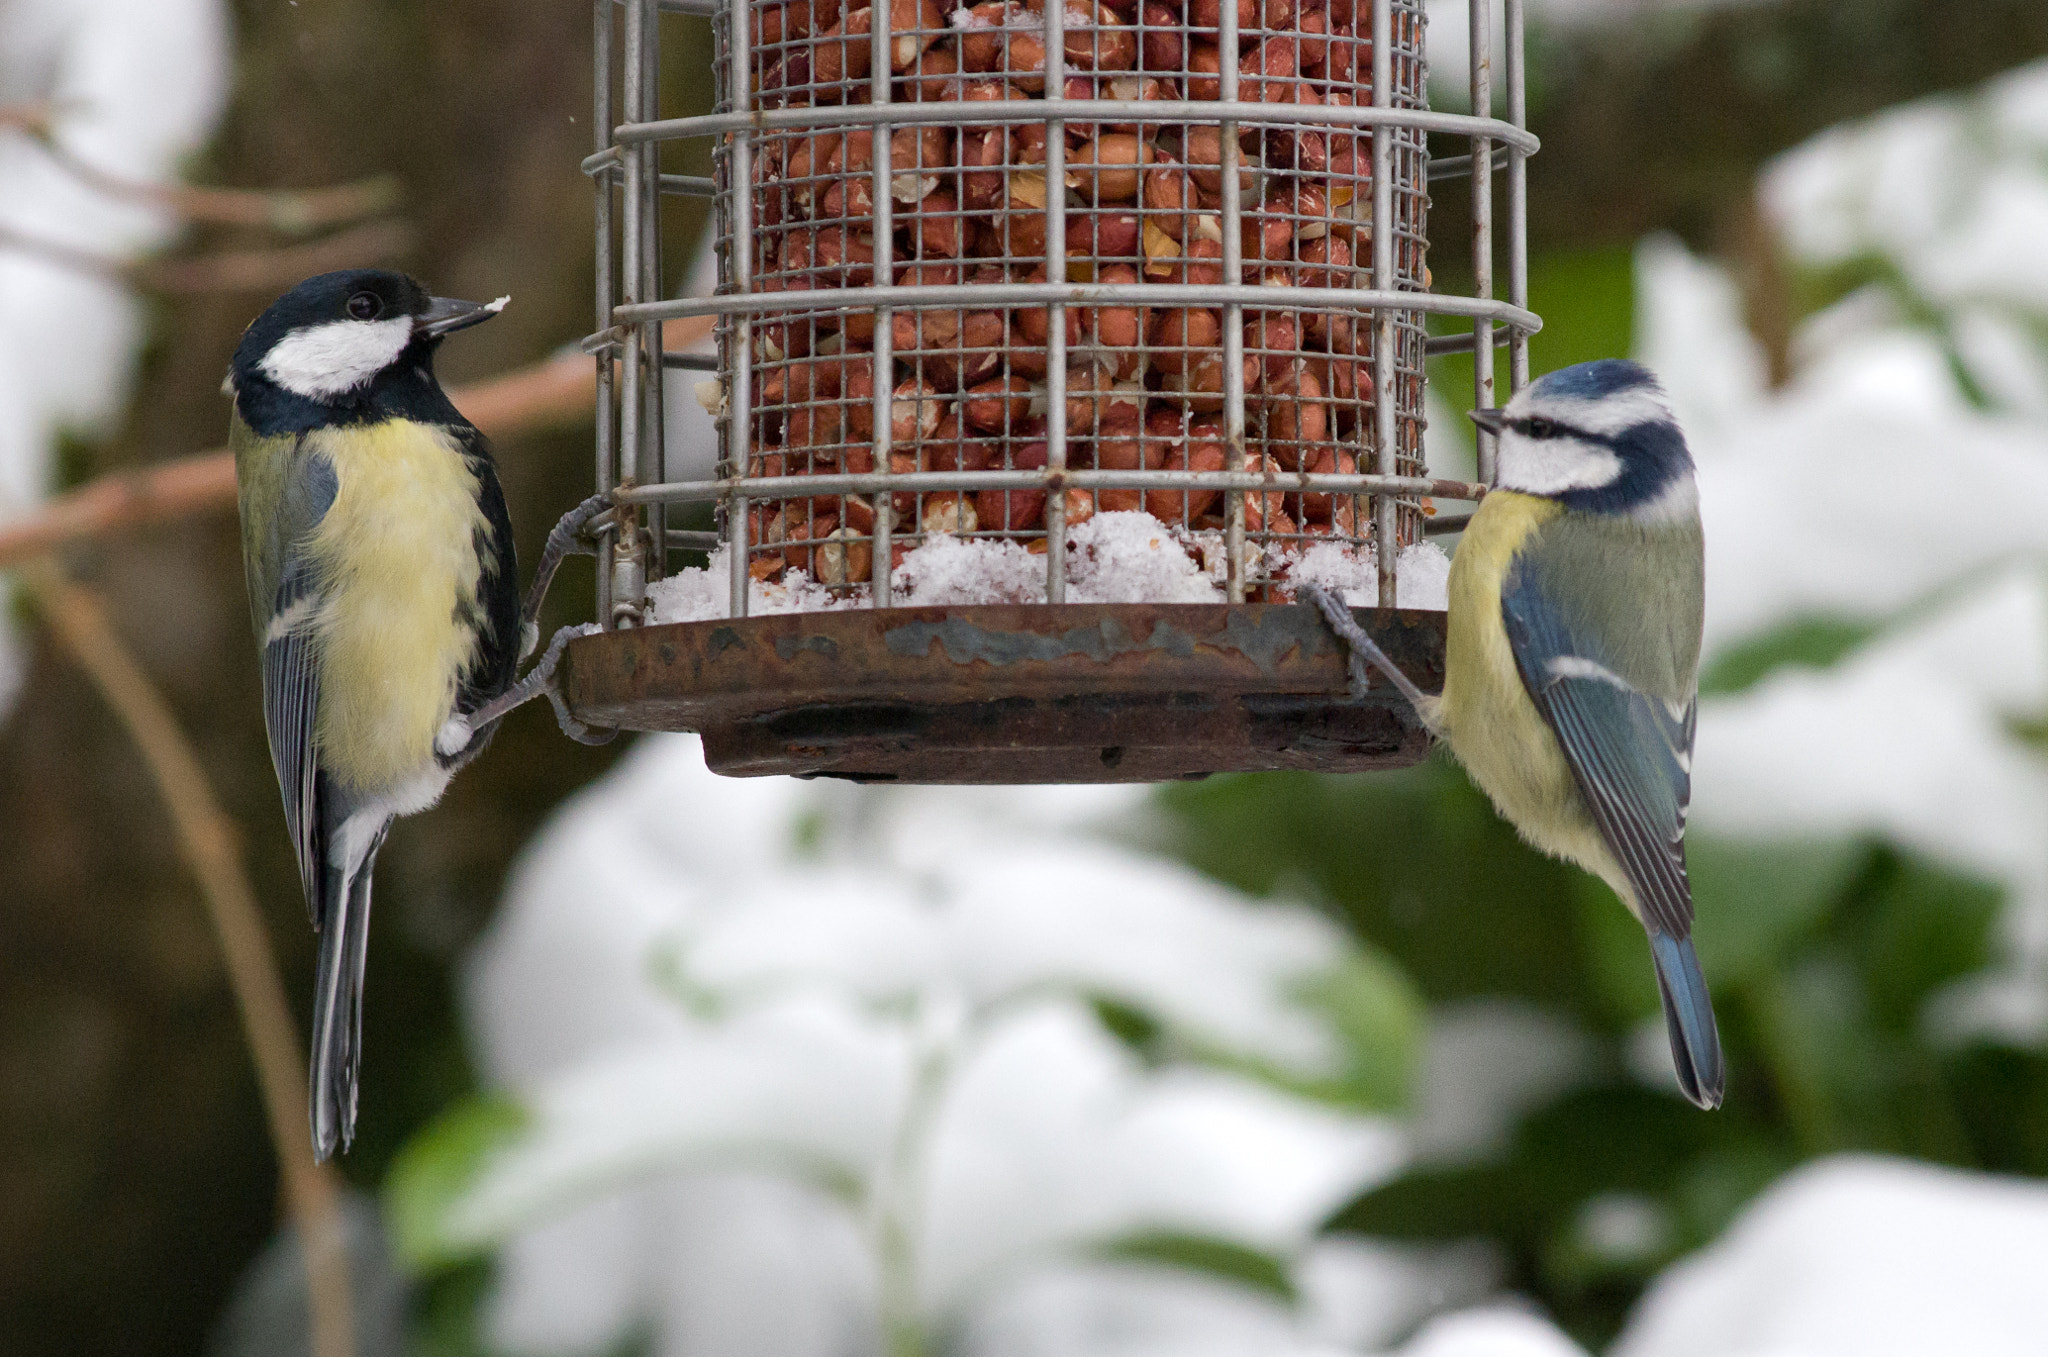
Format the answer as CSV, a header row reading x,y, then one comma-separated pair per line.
x,y
397,556
1485,713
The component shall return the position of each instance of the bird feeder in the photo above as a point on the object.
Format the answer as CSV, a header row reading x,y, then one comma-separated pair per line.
x,y
993,280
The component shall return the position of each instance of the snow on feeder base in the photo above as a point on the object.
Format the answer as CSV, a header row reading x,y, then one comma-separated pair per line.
x,y
1001,291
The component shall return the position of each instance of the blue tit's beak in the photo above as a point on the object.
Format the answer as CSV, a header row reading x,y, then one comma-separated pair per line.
x,y
446,315
1493,421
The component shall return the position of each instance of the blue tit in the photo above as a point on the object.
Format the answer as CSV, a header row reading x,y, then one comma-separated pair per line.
x,y
1571,678
384,593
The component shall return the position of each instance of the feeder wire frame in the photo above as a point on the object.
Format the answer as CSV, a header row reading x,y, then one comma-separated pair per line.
x,y
631,462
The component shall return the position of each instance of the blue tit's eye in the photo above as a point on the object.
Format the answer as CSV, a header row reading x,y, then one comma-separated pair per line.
x,y
1539,427
365,306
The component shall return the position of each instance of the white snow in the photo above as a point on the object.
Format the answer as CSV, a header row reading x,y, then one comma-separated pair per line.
x,y
1858,1256
1485,1063
1491,1332
894,1022
704,593
133,87
1422,574
1120,557
1870,488
947,570
1131,557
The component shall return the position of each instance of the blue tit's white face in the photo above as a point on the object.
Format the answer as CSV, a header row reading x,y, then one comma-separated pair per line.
x,y
1598,436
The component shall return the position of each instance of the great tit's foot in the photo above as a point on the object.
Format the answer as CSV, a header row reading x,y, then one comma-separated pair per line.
x,y
539,680
454,736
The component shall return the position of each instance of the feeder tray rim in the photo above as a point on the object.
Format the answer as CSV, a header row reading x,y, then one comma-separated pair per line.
x,y
812,118
953,295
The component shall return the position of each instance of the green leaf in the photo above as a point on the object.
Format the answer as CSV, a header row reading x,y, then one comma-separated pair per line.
x,y
1378,1015
1920,928
1222,1258
1753,902
1414,862
1814,642
437,1167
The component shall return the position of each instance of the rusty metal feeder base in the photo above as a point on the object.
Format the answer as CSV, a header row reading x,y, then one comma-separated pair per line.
x,y
1134,692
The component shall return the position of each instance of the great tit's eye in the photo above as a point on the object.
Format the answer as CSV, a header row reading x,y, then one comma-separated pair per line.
x,y
1539,427
365,306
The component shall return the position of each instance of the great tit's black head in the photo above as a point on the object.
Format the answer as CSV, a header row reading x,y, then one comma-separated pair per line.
x,y
1597,436
328,339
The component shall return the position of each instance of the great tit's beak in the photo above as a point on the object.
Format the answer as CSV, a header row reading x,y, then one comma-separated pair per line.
x,y
1493,421
446,315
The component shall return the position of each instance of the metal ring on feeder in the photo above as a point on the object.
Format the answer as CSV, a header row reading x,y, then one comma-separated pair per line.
x,y
987,272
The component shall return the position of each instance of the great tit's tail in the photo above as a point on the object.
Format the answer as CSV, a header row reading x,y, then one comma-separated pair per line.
x,y
338,993
1689,1017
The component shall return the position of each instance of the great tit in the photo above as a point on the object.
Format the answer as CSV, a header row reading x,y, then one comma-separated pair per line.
x,y
1571,677
384,592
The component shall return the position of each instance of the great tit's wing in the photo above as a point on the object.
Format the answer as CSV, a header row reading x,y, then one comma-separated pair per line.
x,y
1630,753
291,674
495,614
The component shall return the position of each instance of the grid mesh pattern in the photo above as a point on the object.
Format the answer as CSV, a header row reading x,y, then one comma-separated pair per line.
x,y
972,201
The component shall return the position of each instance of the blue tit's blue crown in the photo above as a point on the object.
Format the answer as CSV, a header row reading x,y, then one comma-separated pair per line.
x,y
1597,437
339,348
1597,380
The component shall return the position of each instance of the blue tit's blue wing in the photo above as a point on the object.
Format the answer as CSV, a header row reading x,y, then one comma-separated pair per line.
x,y
1630,753
291,675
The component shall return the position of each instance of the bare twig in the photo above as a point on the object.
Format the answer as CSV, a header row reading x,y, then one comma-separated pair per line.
x,y
296,212
273,270
124,499
552,393
208,839
65,256
229,270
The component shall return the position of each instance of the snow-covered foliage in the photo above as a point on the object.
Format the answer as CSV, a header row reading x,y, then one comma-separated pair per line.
x,y
1895,485
131,86
1862,1257
944,1065
851,1044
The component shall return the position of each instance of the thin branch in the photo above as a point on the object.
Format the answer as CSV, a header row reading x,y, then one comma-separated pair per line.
x,y
209,842
229,270
56,252
297,212
276,269
552,393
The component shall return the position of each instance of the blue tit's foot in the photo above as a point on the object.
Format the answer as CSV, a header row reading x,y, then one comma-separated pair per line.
x,y
1361,649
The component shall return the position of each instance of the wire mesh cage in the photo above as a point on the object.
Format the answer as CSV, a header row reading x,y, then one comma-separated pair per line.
x,y
988,274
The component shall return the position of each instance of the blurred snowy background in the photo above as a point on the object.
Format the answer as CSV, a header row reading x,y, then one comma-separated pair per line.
x,y
665,1064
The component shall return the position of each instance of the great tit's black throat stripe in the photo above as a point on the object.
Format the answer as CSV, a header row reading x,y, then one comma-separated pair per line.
x,y
404,390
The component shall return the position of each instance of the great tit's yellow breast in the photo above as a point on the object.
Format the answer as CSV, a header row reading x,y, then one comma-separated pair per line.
x,y
1485,713
397,553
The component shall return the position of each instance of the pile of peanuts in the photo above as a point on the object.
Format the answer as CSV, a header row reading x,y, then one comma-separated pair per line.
x,y
1145,385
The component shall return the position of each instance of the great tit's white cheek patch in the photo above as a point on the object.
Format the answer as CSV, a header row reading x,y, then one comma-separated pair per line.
x,y
1552,466
320,362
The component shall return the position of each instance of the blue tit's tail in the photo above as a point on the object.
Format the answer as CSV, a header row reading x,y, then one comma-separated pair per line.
x,y
1689,1016
338,995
